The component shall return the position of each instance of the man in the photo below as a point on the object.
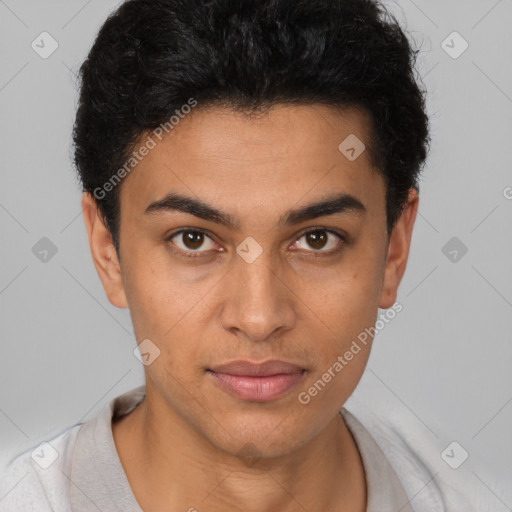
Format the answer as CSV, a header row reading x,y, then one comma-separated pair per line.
x,y
250,174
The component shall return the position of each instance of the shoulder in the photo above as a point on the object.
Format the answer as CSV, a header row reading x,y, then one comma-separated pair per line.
x,y
418,456
38,478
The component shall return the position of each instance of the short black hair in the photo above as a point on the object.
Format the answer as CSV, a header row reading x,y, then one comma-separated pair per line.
x,y
151,57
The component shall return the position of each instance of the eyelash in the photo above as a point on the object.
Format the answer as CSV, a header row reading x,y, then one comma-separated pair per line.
x,y
315,254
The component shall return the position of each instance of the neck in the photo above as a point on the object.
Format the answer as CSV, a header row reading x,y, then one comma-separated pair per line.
x,y
172,467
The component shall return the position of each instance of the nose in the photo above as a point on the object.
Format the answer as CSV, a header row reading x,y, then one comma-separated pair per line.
x,y
257,301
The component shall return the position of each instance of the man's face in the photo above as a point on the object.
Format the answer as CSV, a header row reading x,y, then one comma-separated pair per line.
x,y
262,289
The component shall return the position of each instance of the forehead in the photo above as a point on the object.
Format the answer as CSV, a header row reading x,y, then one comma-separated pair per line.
x,y
249,162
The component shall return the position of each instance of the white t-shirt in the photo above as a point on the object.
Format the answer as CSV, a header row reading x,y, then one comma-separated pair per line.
x,y
80,470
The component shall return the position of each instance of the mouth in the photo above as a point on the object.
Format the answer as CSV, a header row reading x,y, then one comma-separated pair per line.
x,y
257,382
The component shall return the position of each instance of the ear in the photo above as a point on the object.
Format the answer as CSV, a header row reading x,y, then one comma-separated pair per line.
x,y
398,251
103,252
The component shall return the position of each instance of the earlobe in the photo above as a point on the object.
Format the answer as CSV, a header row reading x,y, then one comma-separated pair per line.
x,y
398,251
103,252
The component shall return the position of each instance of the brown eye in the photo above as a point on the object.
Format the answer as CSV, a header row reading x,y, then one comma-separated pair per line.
x,y
192,240
316,239
320,239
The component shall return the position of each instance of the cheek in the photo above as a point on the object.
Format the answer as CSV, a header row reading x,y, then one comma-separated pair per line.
x,y
348,301
153,297
346,310
343,345
165,310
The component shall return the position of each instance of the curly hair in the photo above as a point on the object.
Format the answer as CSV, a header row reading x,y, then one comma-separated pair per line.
x,y
151,56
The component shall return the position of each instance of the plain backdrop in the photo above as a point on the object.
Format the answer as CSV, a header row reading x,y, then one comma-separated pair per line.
x,y
445,358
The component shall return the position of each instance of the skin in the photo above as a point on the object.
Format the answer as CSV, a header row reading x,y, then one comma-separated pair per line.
x,y
181,447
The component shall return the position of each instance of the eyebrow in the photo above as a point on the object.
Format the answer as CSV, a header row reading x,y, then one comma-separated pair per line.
x,y
330,205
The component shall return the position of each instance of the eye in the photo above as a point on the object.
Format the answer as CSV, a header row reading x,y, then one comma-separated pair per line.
x,y
319,239
189,241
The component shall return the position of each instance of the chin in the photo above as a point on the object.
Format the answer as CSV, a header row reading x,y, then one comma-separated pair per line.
x,y
261,440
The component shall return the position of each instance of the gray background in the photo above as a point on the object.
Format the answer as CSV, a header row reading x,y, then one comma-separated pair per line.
x,y
445,359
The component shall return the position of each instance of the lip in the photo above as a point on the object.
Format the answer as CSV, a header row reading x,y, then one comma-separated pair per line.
x,y
257,382
255,369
